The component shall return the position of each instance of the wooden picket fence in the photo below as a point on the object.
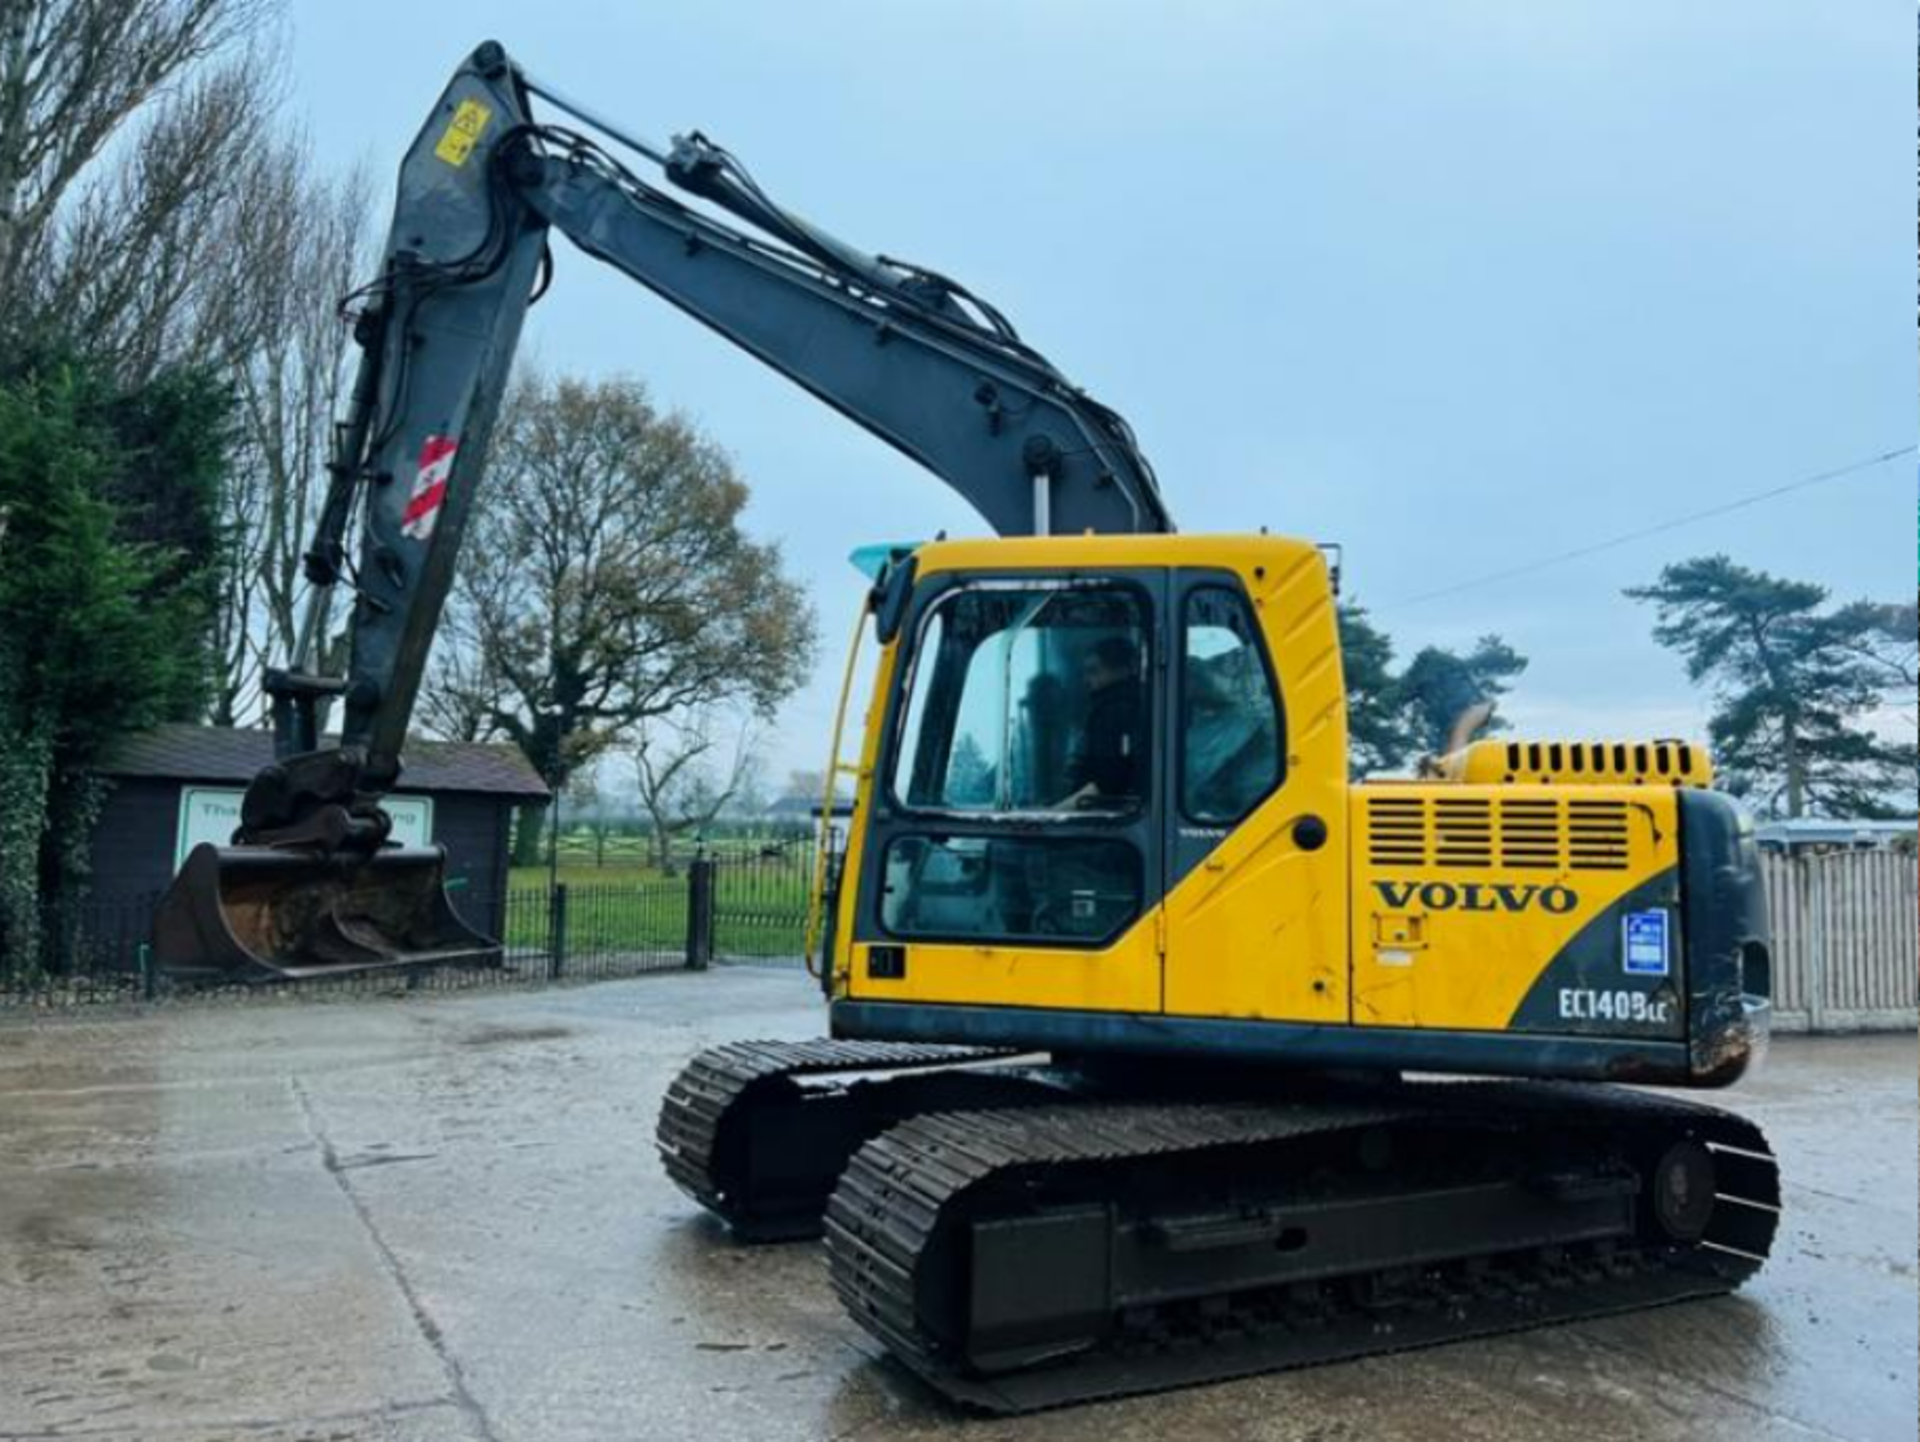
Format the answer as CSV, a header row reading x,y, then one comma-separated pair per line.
x,y
1846,947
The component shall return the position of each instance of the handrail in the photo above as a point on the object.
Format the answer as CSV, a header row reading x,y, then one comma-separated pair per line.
x,y
823,832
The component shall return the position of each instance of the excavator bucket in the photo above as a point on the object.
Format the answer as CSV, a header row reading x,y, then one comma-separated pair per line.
x,y
252,913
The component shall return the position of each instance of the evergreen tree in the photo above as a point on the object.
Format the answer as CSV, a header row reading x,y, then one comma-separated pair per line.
x,y
1800,690
105,563
1395,717
1439,685
1377,734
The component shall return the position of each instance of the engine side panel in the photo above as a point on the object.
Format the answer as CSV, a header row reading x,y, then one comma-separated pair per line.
x,y
1511,908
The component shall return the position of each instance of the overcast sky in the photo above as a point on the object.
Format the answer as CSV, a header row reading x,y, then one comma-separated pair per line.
x,y
1456,283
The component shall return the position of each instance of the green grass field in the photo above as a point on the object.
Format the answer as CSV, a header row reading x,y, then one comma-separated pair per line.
x,y
760,906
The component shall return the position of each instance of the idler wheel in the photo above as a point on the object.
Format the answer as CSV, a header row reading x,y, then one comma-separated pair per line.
x,y
1683,1191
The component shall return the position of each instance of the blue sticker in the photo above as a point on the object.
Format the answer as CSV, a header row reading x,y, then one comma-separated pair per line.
x,y
1646,944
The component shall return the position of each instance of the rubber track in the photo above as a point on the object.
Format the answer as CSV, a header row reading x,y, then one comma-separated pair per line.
x,y
719,1083
901,1185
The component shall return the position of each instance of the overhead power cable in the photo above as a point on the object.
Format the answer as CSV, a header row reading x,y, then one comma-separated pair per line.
x,y
1529,568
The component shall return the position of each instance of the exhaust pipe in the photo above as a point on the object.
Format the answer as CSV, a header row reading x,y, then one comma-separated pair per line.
x,y
256,914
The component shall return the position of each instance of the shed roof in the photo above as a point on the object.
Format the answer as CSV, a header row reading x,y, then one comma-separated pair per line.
x,y
224,753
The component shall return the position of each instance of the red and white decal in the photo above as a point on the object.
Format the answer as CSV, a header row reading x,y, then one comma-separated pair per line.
x,y
429,488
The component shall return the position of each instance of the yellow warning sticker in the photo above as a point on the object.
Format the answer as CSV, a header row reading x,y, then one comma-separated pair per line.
x,y
463,132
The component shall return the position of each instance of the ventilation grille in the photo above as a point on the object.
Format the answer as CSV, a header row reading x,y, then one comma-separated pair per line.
x,y
1597,835
1471,833
1397,831
1640,762
1463,833
1530,835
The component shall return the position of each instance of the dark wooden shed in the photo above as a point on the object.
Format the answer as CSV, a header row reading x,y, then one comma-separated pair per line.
x,y
177,785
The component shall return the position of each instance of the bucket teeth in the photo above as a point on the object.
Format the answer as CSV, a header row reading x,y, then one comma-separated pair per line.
x,y
249,913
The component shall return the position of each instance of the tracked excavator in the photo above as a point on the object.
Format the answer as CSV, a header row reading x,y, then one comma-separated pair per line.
x,y
1159,1051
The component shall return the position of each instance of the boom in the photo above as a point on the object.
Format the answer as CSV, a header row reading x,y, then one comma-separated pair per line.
x,y
908,354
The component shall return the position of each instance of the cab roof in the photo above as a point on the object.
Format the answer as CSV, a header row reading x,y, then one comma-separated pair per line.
x,y
1233,551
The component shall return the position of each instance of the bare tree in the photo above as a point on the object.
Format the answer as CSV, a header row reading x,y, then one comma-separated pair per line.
x,y
295,244
807,785
688,775
105,246
609,583
134,262
465,686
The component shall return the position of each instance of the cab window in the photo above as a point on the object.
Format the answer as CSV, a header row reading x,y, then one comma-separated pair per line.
x,y
1230,723
1031,700
1064,889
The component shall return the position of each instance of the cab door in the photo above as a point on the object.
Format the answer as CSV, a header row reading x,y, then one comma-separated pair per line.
x,y
1256,815
1013,854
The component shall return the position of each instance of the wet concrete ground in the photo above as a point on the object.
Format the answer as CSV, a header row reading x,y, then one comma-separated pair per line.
x,y
442,1219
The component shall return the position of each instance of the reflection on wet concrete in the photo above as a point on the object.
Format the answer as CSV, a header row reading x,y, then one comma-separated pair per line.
x,y
442,1218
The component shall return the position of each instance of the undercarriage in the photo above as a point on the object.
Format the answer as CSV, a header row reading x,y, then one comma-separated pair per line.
x,y
1022,1232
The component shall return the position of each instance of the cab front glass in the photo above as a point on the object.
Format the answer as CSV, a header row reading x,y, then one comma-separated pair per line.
x,y
1024,750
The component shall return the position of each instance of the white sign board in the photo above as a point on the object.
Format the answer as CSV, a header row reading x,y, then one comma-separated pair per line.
x,y
210,813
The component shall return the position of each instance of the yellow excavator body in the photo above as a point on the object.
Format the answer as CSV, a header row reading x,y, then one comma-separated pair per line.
x,y
1522,890
1131,983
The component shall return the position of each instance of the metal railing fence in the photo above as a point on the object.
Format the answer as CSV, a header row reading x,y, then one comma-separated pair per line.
x,y
1846,953
98,949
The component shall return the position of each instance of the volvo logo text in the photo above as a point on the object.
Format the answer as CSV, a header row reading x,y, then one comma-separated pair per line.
x,y
1477,896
